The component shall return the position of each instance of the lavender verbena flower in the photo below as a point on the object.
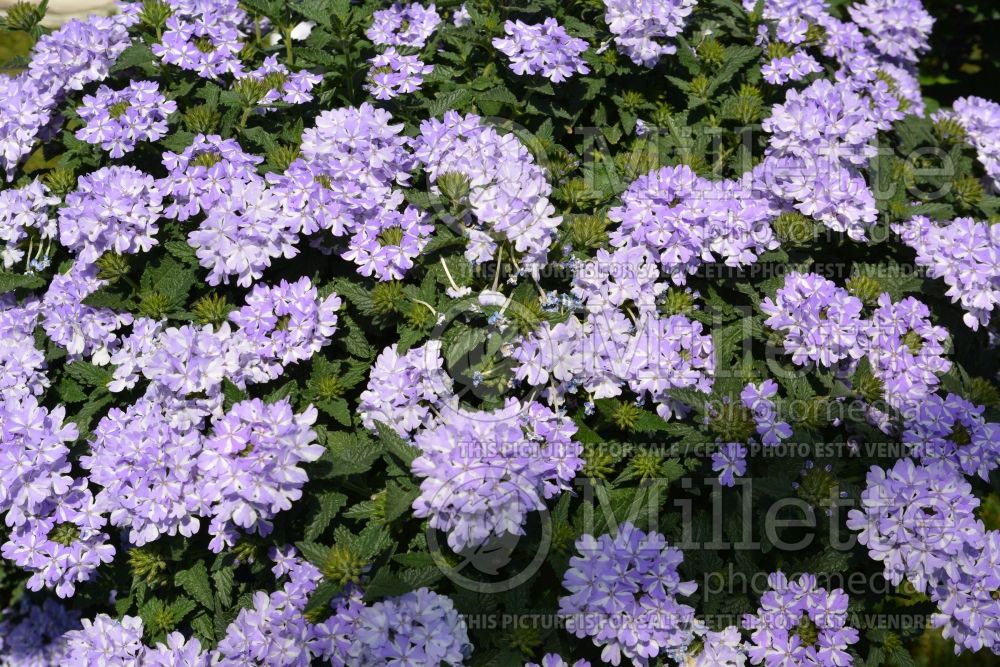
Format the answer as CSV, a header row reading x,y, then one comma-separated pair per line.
x,y
201,175
668,353
208,50
899,29
403,390
35,637
403,25
627,275
780,70
393,74
105,641
968,604
24,216
26,108
81,51
148,473
623,593
386,242
607,351
113,209
421,626
335,640
60,542
287,323
22,364
556,660
79,328
906,352
905,87
119,119
250,466
720,649
730,461
274,631
242,233
821,136
191,359
308,200
966,255
283,85
176,652
34,457
484,472
461,17
757,399
544,48
685,220
800,624
358,156
980,119
508,192
638,24
822,323
953,430
839,197
917,520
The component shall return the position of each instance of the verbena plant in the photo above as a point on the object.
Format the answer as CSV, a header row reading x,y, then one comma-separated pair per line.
x,y
634,332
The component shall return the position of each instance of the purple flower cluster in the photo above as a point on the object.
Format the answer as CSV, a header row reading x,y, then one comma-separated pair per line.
x,y
386,243
105,641
286,323
285,86
55,523
820,137
638,25
243,233
966,255
780,70
81,51
24,215
26,109
249,466
403,25
148,470
77,327
623,593
113,209
822,323
36,636
419,628
203,37
899,29
720,649
393,74
981,121
119,119
508,196
920,522
404,390
484,472
906,351
953,430
274,631
198,178
544,48
22,365
800,624
607,351
556,660
685,220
